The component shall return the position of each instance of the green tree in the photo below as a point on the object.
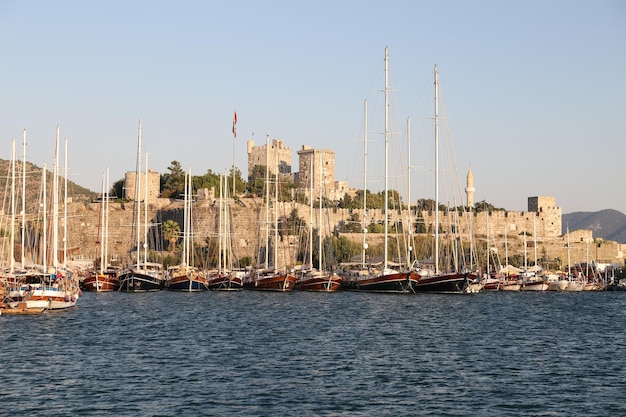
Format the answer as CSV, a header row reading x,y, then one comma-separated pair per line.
x,y
117,189
173,184
171,232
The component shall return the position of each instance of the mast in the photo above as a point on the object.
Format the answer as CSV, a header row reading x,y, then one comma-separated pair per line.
x,y
65,207
311,212
386,157
319,213
506,250
44,245
55,205
12,244
102,233
137,192
185,260
106,222
408,197
145,209
220,236
23,197
436,254
276,211
267,199
364,185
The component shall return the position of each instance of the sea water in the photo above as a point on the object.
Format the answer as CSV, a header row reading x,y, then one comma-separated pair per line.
x,y
313,354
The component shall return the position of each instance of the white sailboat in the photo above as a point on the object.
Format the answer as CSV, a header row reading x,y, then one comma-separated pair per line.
x,y
54,287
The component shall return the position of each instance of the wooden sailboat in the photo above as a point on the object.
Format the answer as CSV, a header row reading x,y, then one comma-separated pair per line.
x,y
435,280
185,276
271,278
106,278
317,279
226,278
143,275
382,278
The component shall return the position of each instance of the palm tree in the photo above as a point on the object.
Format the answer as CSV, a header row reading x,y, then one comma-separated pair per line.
x,y
171,232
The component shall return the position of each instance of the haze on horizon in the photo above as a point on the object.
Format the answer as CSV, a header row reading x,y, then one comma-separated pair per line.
x,y
534,91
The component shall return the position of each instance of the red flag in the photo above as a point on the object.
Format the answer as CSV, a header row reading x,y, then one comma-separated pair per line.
x,y
235,125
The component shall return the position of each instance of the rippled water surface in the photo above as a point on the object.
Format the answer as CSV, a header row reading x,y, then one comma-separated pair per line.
x,y
307,354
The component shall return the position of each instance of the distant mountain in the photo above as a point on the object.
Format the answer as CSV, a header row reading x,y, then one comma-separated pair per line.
x,y
606,224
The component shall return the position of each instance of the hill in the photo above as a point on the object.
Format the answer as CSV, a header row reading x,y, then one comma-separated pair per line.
x,y
606,224
34,184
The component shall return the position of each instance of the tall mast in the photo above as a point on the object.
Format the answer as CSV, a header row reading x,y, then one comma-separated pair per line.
x,y
145,210
408,197
106,222
319,214
311,210
23,197
220,237
65,207
12,244
386,156
138,193
267,199
55,205
102,225
44,244
276,211
364,247
436,254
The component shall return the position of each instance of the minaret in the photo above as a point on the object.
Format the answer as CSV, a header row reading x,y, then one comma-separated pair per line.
x,y
469,189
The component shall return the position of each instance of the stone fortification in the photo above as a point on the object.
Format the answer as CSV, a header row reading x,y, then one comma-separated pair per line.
x,y
248,227
274,155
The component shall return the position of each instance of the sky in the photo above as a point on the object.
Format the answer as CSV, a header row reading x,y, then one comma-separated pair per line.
x,y
533,93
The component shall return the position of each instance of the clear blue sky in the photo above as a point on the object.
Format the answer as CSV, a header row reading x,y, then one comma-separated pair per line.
x,y
534,91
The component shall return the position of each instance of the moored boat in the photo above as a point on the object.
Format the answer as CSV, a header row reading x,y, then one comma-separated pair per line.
x,y
185,278
270,280
318,281
226,281
142,277
101,282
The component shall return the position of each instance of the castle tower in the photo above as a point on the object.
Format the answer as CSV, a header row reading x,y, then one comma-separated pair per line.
x,y
279,156
469,189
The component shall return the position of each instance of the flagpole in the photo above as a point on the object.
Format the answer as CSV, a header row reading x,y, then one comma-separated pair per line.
x,y
234,139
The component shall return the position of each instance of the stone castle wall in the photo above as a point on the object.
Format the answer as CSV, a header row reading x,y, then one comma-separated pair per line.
x,y
248,229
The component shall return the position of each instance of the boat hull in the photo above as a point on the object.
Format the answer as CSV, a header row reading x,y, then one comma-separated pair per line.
x,y
322,283
189,284
399,282
534,286
444,283
135,282
100,283
225,283
278,282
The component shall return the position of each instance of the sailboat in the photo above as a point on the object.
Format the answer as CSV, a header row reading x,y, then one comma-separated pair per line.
x,y
381,278
143,275
53,287
317,279
106,279
185,276
435,280
226,278
271,278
